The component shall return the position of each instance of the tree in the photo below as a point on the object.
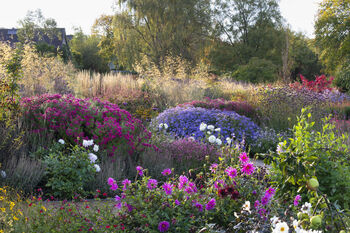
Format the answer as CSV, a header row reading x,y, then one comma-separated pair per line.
x,y
332,33
159,28
85,52
249,29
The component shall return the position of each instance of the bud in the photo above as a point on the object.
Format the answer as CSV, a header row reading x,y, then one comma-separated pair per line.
x,y
316,221
312,184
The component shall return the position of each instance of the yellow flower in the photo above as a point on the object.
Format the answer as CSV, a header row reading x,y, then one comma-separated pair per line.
x,y
43,207
12,204
1,198
15,218
3,210
1,231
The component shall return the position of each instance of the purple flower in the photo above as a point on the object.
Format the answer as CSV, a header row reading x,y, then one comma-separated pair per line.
x,y
140,170
114,187
265,200
216,183
270,192
248,168
125,183
152,183
183,181
117,198
296,200
163,226
243,157
256,204
211,204
166,172
177,202
111,181
231,172
168,188
213,167
199,207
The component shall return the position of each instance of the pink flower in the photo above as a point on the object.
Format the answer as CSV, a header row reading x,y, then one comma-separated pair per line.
x,y
231,172
126,182
270,192
296,200
163,226
168,188
183,181
111,181
213,167
152,184
199,207
243,157
211,204
114,187
166,172
140,170
248,168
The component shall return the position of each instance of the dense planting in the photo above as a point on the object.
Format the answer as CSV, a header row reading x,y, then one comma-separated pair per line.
x,y
70,118
185,121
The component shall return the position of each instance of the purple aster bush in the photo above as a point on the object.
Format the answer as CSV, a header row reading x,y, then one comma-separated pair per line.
x,y
185,121
71,119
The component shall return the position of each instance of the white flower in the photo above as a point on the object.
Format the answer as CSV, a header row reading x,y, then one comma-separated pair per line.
x,y
306,208
296,225
203,126
165,126
274,221
3,174
228,140
246,206
212,139
280,149
281,227
92,157
208,132
87,143
217,130
211,127
161,125
96,147
61,141
97,167
218,141
233,135
192,139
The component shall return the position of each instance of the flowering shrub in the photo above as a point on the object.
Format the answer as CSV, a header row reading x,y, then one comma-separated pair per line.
x,y
70,118
10,212
320,84
68,170
185,121
309,154
241,108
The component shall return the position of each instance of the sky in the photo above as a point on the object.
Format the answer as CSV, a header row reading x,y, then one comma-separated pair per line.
x,y
299,14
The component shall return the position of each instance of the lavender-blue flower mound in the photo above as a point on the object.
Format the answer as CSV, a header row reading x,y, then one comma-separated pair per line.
x,y
185,121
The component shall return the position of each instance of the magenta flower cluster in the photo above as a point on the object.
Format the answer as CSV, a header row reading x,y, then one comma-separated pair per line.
x,y
71,118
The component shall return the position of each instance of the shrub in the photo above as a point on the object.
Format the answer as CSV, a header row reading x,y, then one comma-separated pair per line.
x,y
256,71
342,78
70,118
311,154
320,84
68,170
242,108
280,106
185,121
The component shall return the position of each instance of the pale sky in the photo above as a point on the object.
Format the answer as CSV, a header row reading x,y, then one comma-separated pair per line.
x,y
299,14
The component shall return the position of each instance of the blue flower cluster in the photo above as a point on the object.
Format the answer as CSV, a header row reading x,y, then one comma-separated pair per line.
x,y
185,121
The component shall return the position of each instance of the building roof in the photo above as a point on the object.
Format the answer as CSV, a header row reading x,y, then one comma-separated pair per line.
x,y
10,35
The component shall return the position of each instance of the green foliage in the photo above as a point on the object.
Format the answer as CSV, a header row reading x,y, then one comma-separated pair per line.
x,y
68,170
342,78
256,71
313,154
86,54
303,58
332,33
250,28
